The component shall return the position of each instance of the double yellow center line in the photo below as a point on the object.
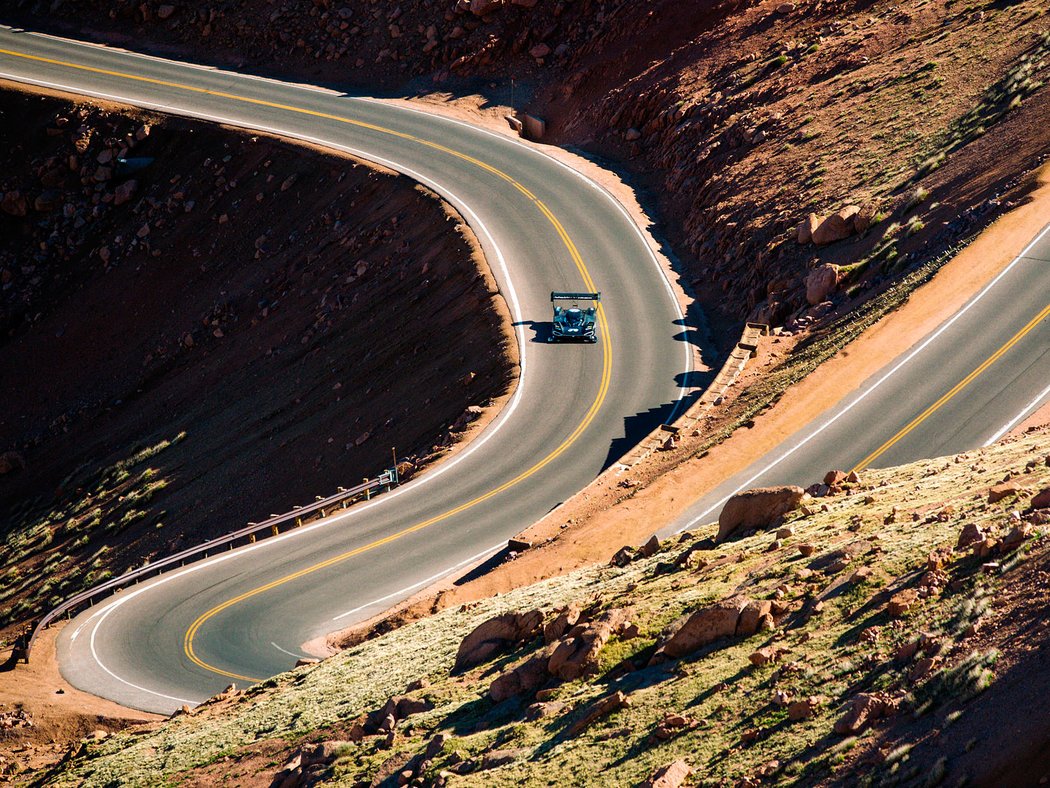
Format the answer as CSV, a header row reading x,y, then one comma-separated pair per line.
x,y
592,411
911,425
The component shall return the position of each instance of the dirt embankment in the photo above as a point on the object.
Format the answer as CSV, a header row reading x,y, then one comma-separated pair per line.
x,y
201,327
740,120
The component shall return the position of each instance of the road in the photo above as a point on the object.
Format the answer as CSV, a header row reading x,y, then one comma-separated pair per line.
x,y
964,385
242,616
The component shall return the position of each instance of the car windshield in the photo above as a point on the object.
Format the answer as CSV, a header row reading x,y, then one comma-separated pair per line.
x,y
573,317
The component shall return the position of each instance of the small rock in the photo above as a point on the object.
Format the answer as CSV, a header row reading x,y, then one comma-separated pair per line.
x,y
971,534
673,775
901,602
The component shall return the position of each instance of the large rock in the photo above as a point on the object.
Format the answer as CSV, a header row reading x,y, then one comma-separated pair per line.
x,y
863,218
761,507
577,654
1041,499
837,226
565,620
606,705
701,627
865,709
670,776
821,282
125,191
526,678
495,635
807,227
482,7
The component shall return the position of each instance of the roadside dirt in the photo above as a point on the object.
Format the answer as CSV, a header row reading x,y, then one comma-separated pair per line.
x,y
590,526
55,713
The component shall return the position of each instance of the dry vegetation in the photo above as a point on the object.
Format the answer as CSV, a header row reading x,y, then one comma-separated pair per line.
x,y
870,599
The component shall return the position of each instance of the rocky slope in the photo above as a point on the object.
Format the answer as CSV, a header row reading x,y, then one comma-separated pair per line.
x,y
747,123
196,332
885,629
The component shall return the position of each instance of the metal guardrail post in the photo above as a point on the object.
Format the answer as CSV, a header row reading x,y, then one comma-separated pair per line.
x,y
322,506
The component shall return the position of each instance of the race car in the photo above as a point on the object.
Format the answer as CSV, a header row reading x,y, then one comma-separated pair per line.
x,y
574,322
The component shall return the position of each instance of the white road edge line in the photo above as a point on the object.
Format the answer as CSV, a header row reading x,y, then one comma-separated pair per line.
x,y
289,653
432,578
944,327
1029,408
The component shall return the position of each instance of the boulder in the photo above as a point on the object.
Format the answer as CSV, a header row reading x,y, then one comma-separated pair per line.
x,y
804,709
832,478
865,709
701,627
785,8
650,548
901,602
14,203
565,620
754,615
495,635
971,534
670,776
1041,499
47,201
807,227
525,3
1004,490
1016,537
836,227
482,7
526,678
540,50
863,218
125,191
539,711
632,134
165,11
496,758
576,654
758,508
820,282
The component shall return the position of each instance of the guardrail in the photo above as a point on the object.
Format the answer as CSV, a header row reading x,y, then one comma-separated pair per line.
x,y
268,527
666,435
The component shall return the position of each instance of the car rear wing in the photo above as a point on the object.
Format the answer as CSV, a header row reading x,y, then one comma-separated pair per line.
x,y
561,296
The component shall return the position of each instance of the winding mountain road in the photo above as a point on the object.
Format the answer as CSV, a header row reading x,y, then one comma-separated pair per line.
x,y
241,616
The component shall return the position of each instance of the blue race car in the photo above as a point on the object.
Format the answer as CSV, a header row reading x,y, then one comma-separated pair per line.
x,y
575,322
